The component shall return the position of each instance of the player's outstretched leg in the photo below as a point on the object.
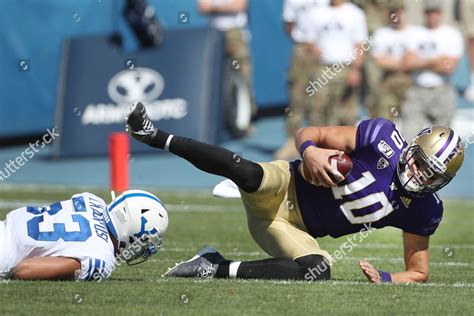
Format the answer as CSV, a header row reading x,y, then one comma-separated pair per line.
x,y
209,158
209,263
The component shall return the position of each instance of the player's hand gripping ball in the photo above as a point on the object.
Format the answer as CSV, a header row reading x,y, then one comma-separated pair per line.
x,y
342,163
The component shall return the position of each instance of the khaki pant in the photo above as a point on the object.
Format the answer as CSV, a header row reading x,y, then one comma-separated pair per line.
x,y
238,51
374,13
334,103
389,96
427,106
273,215
300,72
467,14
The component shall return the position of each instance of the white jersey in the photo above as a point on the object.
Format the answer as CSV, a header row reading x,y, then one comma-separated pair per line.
x,y
227,21
294,12
392,42
431,43
74,228
336,30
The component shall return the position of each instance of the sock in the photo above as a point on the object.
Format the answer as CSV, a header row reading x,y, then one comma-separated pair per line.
x,y
228,269
213,159
309,268
159,138
223,269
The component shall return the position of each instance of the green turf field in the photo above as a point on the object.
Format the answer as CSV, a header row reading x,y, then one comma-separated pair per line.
x,y
198,219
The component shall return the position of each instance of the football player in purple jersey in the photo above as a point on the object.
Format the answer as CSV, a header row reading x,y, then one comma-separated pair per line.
x,y
392,183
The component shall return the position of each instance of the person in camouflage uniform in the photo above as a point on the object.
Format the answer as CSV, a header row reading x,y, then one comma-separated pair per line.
x,y
375,11
387,53
338,44
301,68
230,16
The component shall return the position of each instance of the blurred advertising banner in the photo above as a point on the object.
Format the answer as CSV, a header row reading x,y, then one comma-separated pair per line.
x,y
180,83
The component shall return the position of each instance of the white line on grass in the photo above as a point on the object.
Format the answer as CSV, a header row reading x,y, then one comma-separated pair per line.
x,y
350,283
183,207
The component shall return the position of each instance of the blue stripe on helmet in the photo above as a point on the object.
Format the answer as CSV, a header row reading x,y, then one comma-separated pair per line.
x,y
109,223
126,196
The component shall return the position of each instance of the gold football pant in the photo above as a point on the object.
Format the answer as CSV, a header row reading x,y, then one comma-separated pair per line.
x,y
273,215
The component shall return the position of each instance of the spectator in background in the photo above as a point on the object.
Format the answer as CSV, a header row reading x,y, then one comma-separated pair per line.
x,y
390,44
467,13
433,54
230,16
299,73
371,75
374,13
338,35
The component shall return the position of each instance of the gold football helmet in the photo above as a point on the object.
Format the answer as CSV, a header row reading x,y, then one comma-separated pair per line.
x,y
430,161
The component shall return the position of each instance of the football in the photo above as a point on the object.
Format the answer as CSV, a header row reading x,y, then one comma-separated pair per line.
x,y
342,163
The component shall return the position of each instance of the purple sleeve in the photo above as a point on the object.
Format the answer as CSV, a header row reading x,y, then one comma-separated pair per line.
x,y
424,216
428,227
370,131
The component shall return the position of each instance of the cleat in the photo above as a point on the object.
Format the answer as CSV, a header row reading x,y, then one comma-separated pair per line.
x,y
139,125
203,265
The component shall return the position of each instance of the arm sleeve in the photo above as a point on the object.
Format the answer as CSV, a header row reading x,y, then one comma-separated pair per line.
x,y
425,218
93,269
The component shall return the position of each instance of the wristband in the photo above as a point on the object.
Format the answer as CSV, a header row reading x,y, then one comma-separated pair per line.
x,y
385,277
305,145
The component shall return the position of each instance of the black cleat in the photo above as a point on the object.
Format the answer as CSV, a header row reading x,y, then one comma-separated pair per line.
x,y
203,265
139,125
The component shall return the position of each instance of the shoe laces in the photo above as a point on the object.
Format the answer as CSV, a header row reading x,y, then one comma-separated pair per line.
x,y
207,273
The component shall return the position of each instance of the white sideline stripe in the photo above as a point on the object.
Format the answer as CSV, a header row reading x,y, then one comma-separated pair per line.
x,y
337,283
453,285
171,207
394,260
47,188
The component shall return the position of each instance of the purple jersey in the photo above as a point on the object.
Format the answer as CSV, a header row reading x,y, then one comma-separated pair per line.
x,y
371,193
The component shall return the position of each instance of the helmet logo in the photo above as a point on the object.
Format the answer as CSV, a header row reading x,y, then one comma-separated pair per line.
x,y
142,231
425,131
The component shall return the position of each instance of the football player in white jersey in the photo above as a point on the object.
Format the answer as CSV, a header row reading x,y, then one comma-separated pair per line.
x,y
82,238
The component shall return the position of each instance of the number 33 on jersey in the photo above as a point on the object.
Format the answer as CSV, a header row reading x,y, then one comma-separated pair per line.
x,y
74,228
